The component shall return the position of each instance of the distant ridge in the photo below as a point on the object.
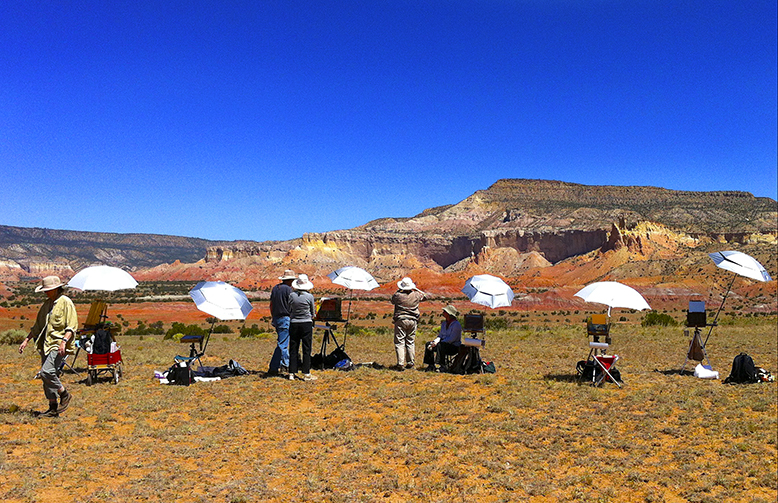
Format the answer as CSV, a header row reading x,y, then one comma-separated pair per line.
x,y
35,247
543,221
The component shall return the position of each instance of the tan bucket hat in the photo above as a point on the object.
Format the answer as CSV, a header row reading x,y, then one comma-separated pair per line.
x,y
302,283
49,283
451,310
288,274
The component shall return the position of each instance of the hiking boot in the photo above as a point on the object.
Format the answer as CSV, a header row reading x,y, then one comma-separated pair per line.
x,y
64,401
410,366
309,377
283,369
52,412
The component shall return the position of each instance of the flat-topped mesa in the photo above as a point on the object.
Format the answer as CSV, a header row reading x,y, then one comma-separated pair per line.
x,y
703,212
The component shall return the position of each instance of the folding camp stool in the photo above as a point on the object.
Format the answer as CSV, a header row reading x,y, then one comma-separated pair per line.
x,y
597,327
194,353
605,363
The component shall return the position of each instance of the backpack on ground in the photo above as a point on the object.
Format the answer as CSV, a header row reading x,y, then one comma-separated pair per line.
x,y
180,374
743,370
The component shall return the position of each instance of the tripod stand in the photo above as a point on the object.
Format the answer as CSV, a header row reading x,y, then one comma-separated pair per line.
x,y
321,360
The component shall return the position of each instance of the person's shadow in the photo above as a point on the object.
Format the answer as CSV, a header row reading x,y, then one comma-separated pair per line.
x,y
561,377
15,410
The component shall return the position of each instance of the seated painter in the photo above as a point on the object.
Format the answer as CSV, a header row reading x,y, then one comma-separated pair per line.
x,y
447,342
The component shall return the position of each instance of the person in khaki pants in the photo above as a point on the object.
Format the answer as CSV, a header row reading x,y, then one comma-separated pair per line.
x,y
406,318
54,330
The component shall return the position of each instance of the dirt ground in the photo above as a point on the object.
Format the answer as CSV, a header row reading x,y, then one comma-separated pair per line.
x,y
529,432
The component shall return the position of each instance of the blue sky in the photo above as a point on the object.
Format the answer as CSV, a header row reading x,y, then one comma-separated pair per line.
x,y
265,120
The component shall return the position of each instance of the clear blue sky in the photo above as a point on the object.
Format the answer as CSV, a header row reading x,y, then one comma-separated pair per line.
x,y
265,120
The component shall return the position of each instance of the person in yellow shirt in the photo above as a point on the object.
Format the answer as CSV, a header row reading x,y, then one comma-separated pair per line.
x,y
54,331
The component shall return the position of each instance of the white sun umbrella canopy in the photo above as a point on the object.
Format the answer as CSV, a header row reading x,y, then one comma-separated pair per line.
x,y
102,277
488,290
613,294
221,300
353,278
741,264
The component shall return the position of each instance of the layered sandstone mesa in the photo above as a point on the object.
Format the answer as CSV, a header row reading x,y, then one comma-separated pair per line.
x,y
512,226
518,224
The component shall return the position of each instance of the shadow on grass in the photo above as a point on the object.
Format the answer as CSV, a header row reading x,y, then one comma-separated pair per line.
x,y
573,378
674,372
13,410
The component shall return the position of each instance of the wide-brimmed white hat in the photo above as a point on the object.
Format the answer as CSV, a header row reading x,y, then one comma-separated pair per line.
x,y
288,274
49,283
451,310
406,284
302,283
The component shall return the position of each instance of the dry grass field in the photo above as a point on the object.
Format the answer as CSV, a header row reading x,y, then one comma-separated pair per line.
x,y
527,433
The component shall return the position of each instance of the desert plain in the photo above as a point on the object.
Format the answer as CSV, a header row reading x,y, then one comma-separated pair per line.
x,y
529,432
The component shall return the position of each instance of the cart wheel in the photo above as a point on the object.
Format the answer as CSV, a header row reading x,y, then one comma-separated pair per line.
x,y
89,378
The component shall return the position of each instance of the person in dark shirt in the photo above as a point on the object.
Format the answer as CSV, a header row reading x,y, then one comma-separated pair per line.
x,y
280,315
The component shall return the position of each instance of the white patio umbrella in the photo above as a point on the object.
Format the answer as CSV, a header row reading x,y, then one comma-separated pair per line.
x,y
102,277
221,300
740,264
613,294
353,278
488,290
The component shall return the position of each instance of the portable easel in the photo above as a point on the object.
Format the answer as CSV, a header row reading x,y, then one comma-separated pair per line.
x,y
696,318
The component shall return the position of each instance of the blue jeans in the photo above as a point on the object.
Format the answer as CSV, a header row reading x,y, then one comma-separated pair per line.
x,y
281,354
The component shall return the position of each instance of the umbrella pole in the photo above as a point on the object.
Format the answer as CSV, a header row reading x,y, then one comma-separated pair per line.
x,y
205,346
348,317
719,311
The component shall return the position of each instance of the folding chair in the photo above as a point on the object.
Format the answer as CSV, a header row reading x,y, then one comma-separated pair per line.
x,y
195,353
696,318
597,327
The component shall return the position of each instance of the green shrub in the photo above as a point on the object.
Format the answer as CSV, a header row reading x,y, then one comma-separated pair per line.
x,y
12,337
180,328
492,323
654,318
253,332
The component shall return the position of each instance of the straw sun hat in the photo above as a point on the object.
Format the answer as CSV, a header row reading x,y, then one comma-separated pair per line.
x,y
302,283
49,283
288,274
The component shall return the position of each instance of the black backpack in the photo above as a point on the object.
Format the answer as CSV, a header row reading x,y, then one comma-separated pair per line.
x,y
743,370
180,374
